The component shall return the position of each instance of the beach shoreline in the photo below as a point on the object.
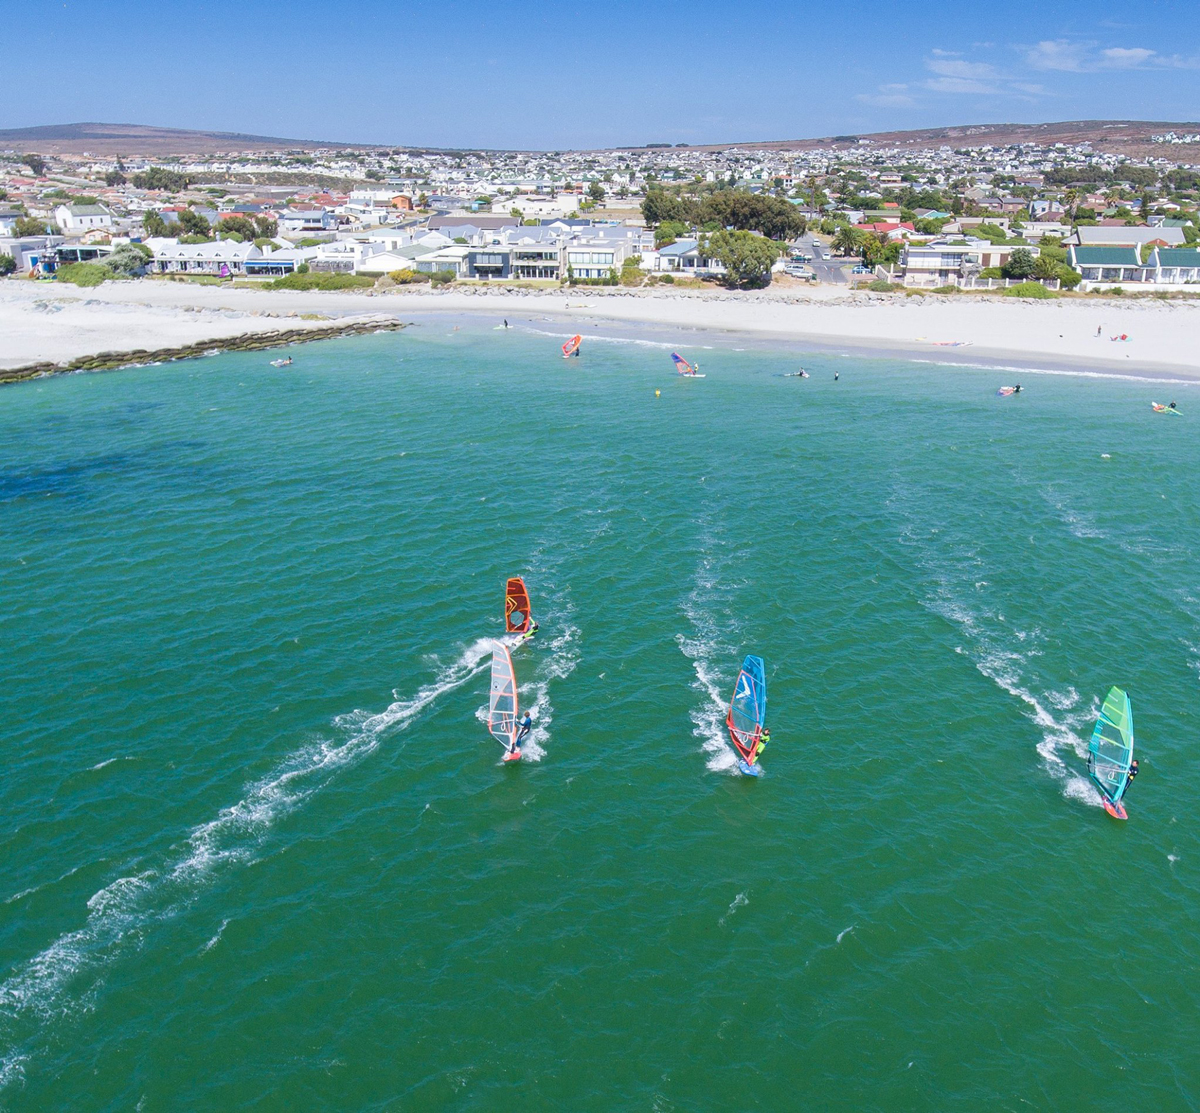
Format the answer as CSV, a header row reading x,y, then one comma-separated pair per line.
x,y
63,325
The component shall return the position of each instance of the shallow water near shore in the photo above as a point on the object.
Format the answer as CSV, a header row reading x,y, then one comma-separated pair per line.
x,y
258,850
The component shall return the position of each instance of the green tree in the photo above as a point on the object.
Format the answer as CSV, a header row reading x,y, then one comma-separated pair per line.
x,y
36,164
1020,264
266,227
668,232
194,224
847,240
153,224
747,258
596,192
238,225
7,265
1045,267
29,226
125,261
115,178
159,177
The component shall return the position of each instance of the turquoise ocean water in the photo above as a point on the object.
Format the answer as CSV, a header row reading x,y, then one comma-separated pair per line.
x,y
257,849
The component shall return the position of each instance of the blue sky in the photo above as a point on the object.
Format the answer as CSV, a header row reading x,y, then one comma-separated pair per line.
x,y
526,73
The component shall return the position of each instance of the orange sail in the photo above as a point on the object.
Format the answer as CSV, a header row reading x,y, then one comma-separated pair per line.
x,y
571,347
516,607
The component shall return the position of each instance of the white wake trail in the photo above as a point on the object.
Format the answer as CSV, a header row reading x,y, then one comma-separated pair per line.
x,y
61,980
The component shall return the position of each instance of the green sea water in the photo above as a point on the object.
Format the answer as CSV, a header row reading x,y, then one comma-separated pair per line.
x,y
258,851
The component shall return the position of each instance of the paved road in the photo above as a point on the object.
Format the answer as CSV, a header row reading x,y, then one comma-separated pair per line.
x,y
823,264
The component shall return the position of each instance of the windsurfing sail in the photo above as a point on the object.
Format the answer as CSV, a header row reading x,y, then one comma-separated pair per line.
x,y
682,365
748,708
516,607
1110,752
502,704
572,346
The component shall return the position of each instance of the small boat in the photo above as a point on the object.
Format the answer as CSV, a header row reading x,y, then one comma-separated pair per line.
x,y
502,702
1158,408
1110,752
282,362
517,617
685,368
571,347
747,714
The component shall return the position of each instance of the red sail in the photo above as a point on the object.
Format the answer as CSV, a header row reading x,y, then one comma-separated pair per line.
x,y
516,606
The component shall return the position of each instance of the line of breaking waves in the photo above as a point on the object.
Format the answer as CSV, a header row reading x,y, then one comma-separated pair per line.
x,y
959,592
63,979
711,644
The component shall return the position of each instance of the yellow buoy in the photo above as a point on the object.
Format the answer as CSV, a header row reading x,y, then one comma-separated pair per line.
x,y
657,393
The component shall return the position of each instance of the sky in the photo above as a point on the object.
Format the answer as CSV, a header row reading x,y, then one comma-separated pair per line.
x,y
607,73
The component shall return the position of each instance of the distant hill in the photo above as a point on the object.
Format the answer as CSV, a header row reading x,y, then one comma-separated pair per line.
x,y
140,140
1128,137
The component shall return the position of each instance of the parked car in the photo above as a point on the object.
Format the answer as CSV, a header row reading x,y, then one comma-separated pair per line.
x,y
860,269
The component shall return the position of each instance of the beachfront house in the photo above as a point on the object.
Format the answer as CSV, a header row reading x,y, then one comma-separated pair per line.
x,y
74,220
956,262
684,257
1127,236
220,257
1166,268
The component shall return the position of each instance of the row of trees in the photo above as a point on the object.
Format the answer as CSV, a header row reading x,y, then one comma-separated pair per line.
x,y
734,209
192,223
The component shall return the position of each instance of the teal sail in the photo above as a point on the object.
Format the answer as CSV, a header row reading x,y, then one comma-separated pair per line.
x,y
1110,751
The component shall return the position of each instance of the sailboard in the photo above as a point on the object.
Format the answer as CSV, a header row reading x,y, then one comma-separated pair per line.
x,y
685,368
502,702
748,714
1005,391
571,347
1110,752
518,618
1159,408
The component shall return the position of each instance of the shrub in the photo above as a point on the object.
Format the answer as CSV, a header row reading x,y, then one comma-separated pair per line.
x,y
1068,277
306,281
28,226
1029,290
83,274
407,277
882,286
441,278
125,261
7,265
946,290
669,279
990,272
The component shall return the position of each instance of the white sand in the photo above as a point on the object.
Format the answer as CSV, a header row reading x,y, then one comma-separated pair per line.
x,y
43,321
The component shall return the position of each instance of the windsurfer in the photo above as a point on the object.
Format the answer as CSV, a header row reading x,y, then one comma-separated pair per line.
x,y
1017,389
1171,406
526,727
1133,772
763,741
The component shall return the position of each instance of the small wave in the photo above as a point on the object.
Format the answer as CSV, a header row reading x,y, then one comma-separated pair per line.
x,y
740,901
843,933
53,984
216,938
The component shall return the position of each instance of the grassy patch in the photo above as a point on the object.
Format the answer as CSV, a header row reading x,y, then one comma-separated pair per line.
x,y
83,274
313,281
1029,290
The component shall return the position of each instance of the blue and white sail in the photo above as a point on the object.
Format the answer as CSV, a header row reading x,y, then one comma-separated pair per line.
x,y
748,708
1110,752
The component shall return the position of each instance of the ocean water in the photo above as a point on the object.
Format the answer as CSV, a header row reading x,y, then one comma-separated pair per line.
x,y
258,851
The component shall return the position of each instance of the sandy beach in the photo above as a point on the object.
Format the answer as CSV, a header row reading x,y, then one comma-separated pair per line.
x,y
44,321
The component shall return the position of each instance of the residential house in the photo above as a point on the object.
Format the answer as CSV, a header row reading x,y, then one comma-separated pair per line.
x,y
1095,236
953,262
8,220
685,257
219,257
294,222
74,220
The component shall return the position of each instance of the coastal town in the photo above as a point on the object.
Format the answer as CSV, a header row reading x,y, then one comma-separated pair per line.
x,y
1026,219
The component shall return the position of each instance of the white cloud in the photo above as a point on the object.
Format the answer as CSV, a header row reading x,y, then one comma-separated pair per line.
x,y
958,85
1058,54
1121,57
960,68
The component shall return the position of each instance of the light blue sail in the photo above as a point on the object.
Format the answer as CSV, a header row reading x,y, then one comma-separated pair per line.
x,y
748,709
1110,752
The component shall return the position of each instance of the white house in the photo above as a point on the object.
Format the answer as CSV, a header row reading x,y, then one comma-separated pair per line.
x,y
297,221
77,219
220,257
